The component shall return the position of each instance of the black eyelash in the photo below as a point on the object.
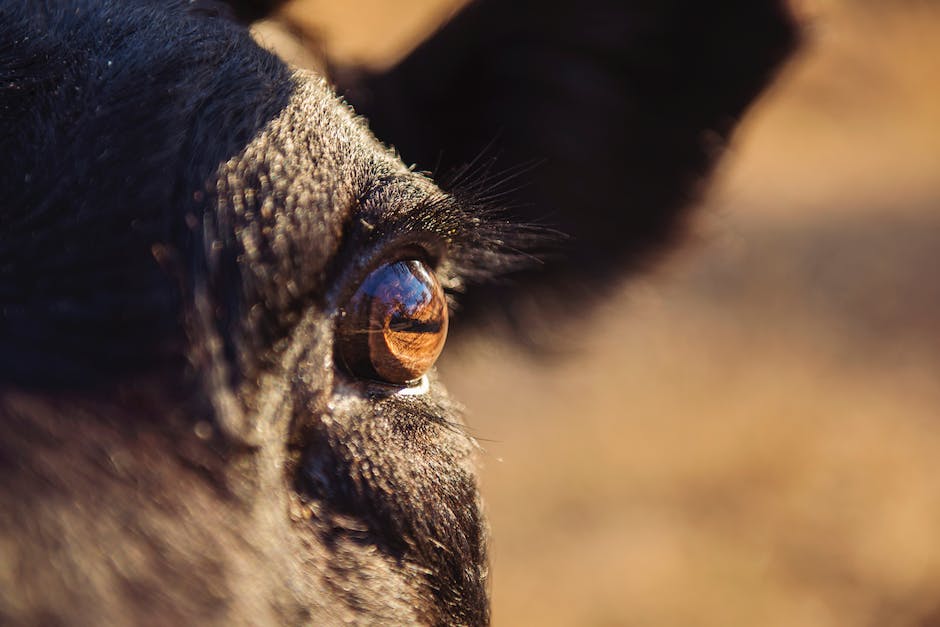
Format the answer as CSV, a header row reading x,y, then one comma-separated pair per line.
x,y
496,248
465,232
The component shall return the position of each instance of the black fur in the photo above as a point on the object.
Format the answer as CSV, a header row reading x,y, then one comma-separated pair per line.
x,y
182,219
111,118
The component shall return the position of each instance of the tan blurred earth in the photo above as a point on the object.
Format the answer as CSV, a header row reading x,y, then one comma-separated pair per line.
x,y
751,436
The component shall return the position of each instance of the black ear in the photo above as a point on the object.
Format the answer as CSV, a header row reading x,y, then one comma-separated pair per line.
x,y
621,107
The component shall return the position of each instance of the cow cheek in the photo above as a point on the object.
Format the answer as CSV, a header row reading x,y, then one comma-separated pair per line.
x,y
392,482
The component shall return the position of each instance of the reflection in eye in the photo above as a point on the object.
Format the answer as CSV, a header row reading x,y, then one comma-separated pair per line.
x,y
394,326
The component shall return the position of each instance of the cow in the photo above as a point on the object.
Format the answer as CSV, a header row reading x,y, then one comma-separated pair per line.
x,y
221,297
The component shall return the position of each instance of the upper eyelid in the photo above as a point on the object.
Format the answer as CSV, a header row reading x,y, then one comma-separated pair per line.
x,y
466,238
400,207
377,234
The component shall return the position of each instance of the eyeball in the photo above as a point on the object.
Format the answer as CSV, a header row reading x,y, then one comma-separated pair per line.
x,y
394,326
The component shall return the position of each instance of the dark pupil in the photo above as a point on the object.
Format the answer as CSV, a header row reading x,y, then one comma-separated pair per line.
x,y
399,322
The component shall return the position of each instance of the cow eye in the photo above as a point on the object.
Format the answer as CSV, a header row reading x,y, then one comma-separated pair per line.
x,y
393,328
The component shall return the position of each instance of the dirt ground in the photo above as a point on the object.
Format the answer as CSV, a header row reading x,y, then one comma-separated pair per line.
x,y
751,436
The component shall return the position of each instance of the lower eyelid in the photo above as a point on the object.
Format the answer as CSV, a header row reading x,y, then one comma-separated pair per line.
x,y
421,386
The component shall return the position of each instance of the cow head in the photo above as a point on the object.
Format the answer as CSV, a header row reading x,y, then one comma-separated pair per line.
x,y
222,297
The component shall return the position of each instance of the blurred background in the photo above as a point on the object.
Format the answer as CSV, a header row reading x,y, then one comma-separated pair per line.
x,y
751,434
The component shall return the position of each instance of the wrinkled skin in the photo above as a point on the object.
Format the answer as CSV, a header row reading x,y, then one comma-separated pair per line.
x,y
184,219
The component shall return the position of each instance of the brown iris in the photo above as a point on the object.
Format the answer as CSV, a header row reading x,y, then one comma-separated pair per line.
x,y
394,326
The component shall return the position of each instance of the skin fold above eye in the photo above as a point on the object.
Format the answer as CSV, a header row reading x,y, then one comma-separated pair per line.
x,y
394,326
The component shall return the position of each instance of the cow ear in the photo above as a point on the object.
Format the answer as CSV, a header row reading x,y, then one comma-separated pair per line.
x,y
616,109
